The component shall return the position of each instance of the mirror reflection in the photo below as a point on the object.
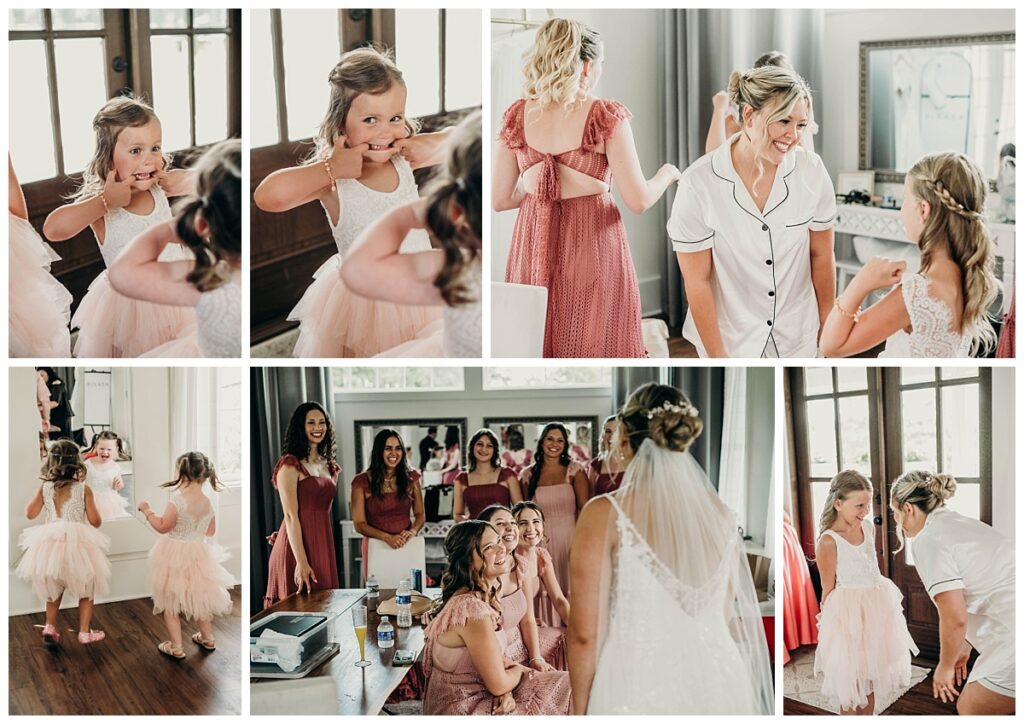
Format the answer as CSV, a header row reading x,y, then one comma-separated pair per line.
x,y
434,447
519,437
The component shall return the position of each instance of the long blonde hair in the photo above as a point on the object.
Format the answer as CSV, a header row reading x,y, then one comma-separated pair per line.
x,y
116,115
766,87
553,67
925,490
955,188
842,486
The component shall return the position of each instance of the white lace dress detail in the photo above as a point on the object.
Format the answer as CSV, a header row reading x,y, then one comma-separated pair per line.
x,y
73,510
856,566
668,647
219,313
121,226
187,527
931,322
361,206
463,325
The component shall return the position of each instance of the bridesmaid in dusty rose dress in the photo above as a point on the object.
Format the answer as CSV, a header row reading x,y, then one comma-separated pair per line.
x,y
466,629
387,502
306,479
560,487
486,482
605,471
535,565
540,648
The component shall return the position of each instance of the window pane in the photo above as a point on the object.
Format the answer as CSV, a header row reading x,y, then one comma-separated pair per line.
x,y
911,375
211,88
819,494
527,378
821,433
25,19
462,83
77,19
81,90
31,134
967,500
856,437
170,89
852,378
818,380
397,379
961,432
312,47
209,18
165,18
262,104
919,430
958,373
416,48
229,411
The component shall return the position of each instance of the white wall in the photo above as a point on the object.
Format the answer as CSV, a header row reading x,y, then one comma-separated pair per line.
x,y
632,66
1004,436
846,29
131,538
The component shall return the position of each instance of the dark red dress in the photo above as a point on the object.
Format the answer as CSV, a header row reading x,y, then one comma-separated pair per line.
x,y
477,497
388,513
602,483
316,496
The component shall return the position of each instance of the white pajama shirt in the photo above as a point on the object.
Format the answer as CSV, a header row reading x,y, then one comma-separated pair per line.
x,y
764,296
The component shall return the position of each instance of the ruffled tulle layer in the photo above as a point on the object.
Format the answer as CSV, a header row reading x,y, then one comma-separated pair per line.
x,y
39,306
863,644
186,345
109,504
113,325
335,322
429,342
187,579
65,557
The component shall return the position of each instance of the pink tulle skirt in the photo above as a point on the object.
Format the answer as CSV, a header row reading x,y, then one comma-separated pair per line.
x,y
109,504
65,557
185,345
188,579
113,325
335,322
863,644
39,306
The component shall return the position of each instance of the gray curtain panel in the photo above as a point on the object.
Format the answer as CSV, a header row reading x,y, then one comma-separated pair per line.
x,y
275,392
701,48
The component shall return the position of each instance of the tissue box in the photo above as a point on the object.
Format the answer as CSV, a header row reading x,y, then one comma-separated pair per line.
x,y
309,628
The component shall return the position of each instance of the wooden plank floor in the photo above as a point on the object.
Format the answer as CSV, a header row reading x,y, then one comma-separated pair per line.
x,y
124,674
917,701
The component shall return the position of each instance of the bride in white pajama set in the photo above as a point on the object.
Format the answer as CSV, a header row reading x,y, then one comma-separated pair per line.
x,y
752,225
968,570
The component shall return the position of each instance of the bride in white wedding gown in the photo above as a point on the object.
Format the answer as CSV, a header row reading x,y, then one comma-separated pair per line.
x,y
665,617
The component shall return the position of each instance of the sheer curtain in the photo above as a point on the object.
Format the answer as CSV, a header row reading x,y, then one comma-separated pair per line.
x,y
732,478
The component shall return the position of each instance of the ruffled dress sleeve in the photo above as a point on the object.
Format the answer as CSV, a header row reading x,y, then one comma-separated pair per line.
x,y
511,133
457,612
605,117
286,461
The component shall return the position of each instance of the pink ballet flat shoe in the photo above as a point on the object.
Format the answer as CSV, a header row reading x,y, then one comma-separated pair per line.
x,y
91,636
50,634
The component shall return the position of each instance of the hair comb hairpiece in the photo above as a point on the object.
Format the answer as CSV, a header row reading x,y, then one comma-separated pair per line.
x,y
670,407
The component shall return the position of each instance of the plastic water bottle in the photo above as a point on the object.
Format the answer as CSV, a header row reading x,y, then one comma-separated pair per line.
x,y
404,600
385,634
372,590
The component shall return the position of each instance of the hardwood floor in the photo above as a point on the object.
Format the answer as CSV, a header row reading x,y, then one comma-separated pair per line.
x,y
124,674
917,701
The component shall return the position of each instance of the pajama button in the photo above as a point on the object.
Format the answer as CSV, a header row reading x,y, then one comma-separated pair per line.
x,y
764,227
768,262
769,322
771,294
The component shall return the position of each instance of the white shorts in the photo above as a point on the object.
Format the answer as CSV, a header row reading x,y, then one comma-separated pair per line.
x,y
1001,681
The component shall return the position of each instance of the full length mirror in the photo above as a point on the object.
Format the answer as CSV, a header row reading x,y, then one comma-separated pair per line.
x,y
436,447
519,437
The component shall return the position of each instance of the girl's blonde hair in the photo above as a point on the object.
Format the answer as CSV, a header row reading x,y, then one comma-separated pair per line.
x,y
218,197
460,183
925,490
553,67
842,486
64,465
363,70
955,188
194,467
117,114
767,87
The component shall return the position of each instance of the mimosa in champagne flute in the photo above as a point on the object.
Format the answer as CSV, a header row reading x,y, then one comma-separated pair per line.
x,y
359,621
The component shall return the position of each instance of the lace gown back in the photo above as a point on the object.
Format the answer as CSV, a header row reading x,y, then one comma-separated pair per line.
x,y
931,321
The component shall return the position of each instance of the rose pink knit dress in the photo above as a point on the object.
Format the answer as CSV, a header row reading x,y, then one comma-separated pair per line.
x,y
551,640
576,248
453,684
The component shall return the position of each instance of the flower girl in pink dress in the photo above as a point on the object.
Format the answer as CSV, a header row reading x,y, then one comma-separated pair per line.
x,y
66,554
185,570
863,643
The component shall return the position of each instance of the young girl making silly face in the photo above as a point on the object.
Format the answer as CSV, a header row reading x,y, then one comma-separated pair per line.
x,y
942,311
361,168
124,191
104,475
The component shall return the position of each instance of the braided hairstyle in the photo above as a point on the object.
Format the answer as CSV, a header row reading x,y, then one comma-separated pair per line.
x,y
194,467
218,198
462,541
455,211
64,465
538,457
927,491
955,189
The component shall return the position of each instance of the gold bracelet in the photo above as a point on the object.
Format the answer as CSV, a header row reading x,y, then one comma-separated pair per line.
x,y
103,200
327,169
855,316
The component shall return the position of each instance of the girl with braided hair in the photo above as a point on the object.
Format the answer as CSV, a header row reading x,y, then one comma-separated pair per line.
x,y
943,310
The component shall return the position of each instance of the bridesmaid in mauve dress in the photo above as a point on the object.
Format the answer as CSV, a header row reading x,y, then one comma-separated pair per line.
x,y
466,648
387,502
486,482
605,471
535,567
560,487
799,601
305,477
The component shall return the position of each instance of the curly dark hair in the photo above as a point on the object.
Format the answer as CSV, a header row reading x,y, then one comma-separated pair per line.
x,y
495,460
64,465
459,545
377,469
538,457
295,441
